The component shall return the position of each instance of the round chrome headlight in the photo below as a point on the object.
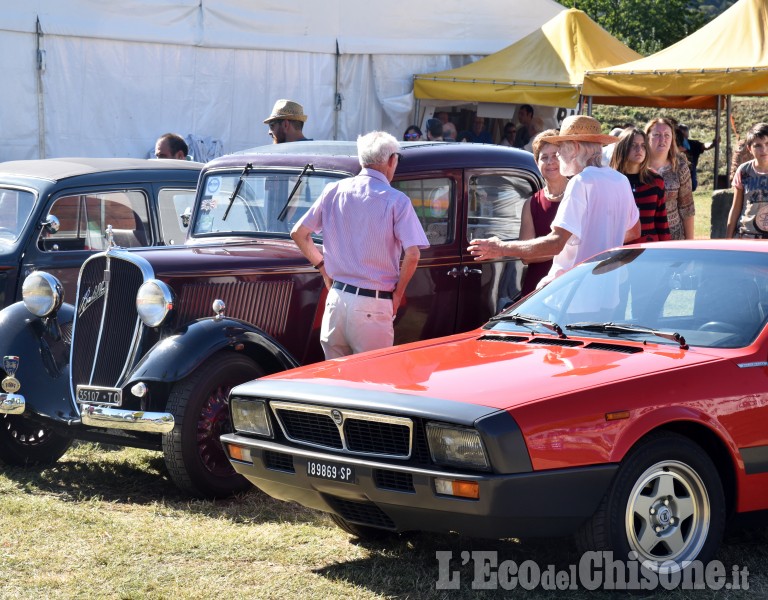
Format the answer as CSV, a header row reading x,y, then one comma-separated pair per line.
x,y
42,294
154,301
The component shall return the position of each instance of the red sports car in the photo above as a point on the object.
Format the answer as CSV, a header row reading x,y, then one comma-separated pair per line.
x,y
626,403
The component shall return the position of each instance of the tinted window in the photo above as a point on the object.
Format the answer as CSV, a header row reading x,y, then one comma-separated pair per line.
x,y
496,205
434,202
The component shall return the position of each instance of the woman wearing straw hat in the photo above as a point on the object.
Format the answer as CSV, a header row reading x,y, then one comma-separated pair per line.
x,y
598,210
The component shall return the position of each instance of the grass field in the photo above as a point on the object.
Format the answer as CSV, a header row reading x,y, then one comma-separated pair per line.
x,y
107,523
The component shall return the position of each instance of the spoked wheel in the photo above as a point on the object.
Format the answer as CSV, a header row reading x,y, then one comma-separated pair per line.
x,y
666,505
26,443
199,403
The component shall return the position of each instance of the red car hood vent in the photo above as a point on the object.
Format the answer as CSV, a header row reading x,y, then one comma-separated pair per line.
x,y
502,338
560,342
556,342
614,348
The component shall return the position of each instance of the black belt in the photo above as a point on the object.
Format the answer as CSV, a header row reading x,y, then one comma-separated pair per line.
x,y
754,236
345,287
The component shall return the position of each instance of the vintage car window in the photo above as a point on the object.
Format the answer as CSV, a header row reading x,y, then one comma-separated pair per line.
x,y
496,205
712,298
15,208
434,202
261,205
83,220
172,204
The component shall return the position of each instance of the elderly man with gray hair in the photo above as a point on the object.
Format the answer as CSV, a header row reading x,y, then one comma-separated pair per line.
x,y
367,226
597,212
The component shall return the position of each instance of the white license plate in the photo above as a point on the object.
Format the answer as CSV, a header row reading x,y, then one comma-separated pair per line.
x,y
87,394
329,470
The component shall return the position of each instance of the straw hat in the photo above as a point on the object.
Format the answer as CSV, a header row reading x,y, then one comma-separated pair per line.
x,y
287,109
581,128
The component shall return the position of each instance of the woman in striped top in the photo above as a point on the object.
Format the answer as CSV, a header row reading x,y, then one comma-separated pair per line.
x,y
631,158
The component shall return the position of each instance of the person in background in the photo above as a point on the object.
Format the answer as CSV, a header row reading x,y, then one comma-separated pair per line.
x,y
449,132
412,134
478,134
694,151
434,130
630,156
749,211
367,226
597,211
672,165
508,138
540,209
525,131
286,123
171,145
443,116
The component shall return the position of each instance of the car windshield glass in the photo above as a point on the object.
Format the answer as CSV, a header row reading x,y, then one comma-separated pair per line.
x,y
260,199
15,208
710,298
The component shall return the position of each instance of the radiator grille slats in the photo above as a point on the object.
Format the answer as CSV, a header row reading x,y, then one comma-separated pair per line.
x,y
311,427
263,303
377,438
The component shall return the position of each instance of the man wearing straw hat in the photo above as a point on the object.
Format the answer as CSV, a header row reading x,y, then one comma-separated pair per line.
x,y
286,122
598,209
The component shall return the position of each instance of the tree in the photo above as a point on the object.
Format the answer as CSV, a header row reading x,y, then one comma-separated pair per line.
x,y
647,26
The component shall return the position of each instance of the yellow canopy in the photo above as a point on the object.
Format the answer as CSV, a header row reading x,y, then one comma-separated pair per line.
x,y
728,56
545,68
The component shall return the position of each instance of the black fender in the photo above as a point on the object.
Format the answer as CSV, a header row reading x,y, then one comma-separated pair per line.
x,y
42,346
174,357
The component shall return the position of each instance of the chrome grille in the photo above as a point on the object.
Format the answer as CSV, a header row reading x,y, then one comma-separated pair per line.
x,y
351,431
106,322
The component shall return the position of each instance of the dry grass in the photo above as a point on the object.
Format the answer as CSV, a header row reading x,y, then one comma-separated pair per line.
x,y
109,524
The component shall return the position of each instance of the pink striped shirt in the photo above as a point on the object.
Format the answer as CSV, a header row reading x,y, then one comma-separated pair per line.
x,y
366,224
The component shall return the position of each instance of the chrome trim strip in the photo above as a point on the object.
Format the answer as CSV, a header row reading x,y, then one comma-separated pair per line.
x,y
346,414
129,420
12,404
107,281
751,365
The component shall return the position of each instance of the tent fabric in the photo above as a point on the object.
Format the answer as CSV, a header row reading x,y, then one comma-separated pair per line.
x,y
113,76
729,55
544,68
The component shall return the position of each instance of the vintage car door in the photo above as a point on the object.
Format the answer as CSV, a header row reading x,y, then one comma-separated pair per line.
x,y
83,217
431,301
493,203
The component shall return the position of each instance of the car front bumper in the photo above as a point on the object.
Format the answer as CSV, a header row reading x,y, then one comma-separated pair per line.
x,y
533,504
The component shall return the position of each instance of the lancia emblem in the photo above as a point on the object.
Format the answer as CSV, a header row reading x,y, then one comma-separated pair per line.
x,y
10,384
337,417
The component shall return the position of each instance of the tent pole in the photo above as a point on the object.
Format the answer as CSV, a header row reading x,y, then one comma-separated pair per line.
x,y
40,96
336,97
728,113
717,148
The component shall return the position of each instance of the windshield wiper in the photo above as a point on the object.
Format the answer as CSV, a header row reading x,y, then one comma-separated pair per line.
x,y
284,212
520,319
621,328
245,172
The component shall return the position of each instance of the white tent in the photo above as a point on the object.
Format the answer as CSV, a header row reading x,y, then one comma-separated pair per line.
x,y
96,78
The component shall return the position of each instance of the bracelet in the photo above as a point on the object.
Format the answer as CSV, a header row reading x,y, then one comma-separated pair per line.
x,y
319,265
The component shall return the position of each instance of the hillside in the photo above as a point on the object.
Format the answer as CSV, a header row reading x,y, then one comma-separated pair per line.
x,y
746,111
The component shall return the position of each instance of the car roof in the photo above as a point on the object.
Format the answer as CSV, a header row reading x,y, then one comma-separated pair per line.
x,y
56,169
416,156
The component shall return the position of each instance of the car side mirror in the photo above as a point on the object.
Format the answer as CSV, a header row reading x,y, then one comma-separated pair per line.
x,y
51,224
186,216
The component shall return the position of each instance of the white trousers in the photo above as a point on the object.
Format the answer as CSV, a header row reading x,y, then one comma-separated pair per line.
x,y
353,324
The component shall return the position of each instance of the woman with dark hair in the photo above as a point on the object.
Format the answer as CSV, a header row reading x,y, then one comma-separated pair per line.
x,y
412,134
540,209
671,164
630,156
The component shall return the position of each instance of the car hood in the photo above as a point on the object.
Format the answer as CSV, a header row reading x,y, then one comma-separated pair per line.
x,y
488,370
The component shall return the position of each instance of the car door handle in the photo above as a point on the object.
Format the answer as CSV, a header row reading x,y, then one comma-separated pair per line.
x,y
467,271
453,273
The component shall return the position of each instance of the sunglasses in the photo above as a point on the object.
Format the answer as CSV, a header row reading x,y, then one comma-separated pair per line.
x,y
412,136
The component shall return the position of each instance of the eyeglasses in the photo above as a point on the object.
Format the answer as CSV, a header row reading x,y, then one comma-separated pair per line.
x,y
399,156
412,136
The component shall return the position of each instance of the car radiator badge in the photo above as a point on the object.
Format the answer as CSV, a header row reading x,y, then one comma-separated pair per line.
x,y
10,384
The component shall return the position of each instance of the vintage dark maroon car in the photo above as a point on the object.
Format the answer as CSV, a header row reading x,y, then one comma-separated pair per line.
x,y
157,337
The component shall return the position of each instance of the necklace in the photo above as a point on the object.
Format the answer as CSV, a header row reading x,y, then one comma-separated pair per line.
x,y
552,197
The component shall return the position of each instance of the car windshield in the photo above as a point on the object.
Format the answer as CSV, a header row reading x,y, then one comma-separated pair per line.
x,y
258,205
708,298
15,208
